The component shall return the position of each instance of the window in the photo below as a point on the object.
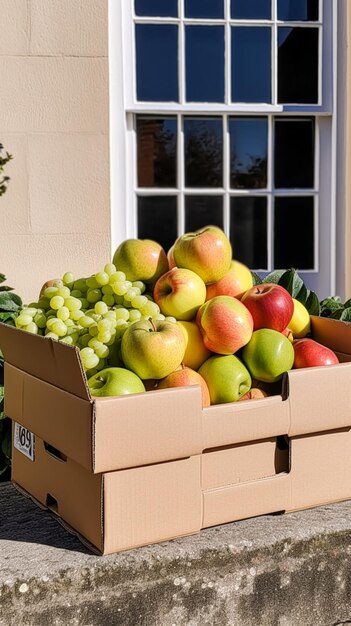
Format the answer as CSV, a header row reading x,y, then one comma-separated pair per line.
x,y
227,107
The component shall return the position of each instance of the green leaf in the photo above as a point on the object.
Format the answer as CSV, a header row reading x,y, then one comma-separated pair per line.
x,y
2,278
292,282
344,314
8,317
9,301
256,279
329,305
347,304
6,288
274,277
312,304
303,294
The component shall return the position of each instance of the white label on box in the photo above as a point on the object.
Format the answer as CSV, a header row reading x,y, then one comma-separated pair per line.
x,y
24,441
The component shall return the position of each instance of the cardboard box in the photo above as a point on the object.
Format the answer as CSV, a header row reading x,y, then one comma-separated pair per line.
x,y
143,468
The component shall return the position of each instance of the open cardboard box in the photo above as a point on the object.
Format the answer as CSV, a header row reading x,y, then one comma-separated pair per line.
x,y
129,471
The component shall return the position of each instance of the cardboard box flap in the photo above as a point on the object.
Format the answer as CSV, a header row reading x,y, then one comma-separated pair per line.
x,y
54,362
334,334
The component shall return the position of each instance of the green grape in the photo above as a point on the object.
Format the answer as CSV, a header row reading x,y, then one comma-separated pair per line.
x,y
68,339
40,320
58,282
84,303
68,279
63,313
107,290
102,278
50,321
134,315
92,282
88,358
75,315
139,285
94,295
73,304
151,309
118,277
170,318
85,321
108,299
59,328
104,336
110,268
84,339
29,310
57,302
52,335
119,288
101,308
104,324
44,303
69,322
91,372
101,364
119,300
160,317
80,284
50,313
31,328
122,314
76,293
23,320
138,302
63,291
49,292
99,348
131,293
93,330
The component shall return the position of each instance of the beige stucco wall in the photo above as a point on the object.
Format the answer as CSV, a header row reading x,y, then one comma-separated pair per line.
x,y
55,215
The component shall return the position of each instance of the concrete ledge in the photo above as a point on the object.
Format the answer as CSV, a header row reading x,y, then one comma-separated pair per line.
x,y
286,570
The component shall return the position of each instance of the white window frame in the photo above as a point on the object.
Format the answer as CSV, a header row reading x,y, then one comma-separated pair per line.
x,y
123,107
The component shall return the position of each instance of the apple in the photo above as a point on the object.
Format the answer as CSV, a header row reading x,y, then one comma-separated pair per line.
x,y
195,352
179,293
207,251
255,393
153,348
270,305
170,258
225,323
287,332
141,259
268,355
300,324
227,378
115,381
311,353
235,282
185,376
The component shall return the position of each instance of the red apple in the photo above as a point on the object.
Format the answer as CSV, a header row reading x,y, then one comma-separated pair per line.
x,y
255,393
225,323
185,376
235,282
207,251
179,293
310,353
270,305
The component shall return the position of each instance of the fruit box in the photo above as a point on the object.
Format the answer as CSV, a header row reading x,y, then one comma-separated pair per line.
x,y
129,471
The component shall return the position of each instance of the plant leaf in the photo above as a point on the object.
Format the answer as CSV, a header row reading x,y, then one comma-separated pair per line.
x,y
344,314
256,279
274,277
9,301
292,282
2,278
312,304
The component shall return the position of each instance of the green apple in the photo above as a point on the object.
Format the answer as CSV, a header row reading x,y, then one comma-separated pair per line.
x,y
227,378
179,293
141,259
207,252
268,355
115,381
153,348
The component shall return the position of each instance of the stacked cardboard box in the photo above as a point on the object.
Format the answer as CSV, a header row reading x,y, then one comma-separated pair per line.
x,y
139,469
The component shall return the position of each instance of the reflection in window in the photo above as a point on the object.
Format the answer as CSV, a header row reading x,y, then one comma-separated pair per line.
x,y
157,62
157,8
290,211
251,64
248,230
298,65
157,219
248,152
204,49
157,147
294,153
204,9
203,142
251,9
298,10
203,210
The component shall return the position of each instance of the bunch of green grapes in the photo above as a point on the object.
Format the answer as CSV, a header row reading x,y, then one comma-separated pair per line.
x,y
90,313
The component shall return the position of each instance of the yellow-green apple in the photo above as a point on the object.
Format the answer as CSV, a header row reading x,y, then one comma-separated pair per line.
x,y
300,323
207,251
153,348
179,293
115,381
170,258
235,282
268,355
195,352
225,324
311,353
270,305
141,259
185,376
227,378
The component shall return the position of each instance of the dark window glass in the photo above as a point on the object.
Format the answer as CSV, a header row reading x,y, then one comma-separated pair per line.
x,y
294,153
157,8
250,9
203,210
298,65
204,9
298,10
157,62
251,64
157,152
204,63
203,141
157,219
248,152
288,211
248,230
